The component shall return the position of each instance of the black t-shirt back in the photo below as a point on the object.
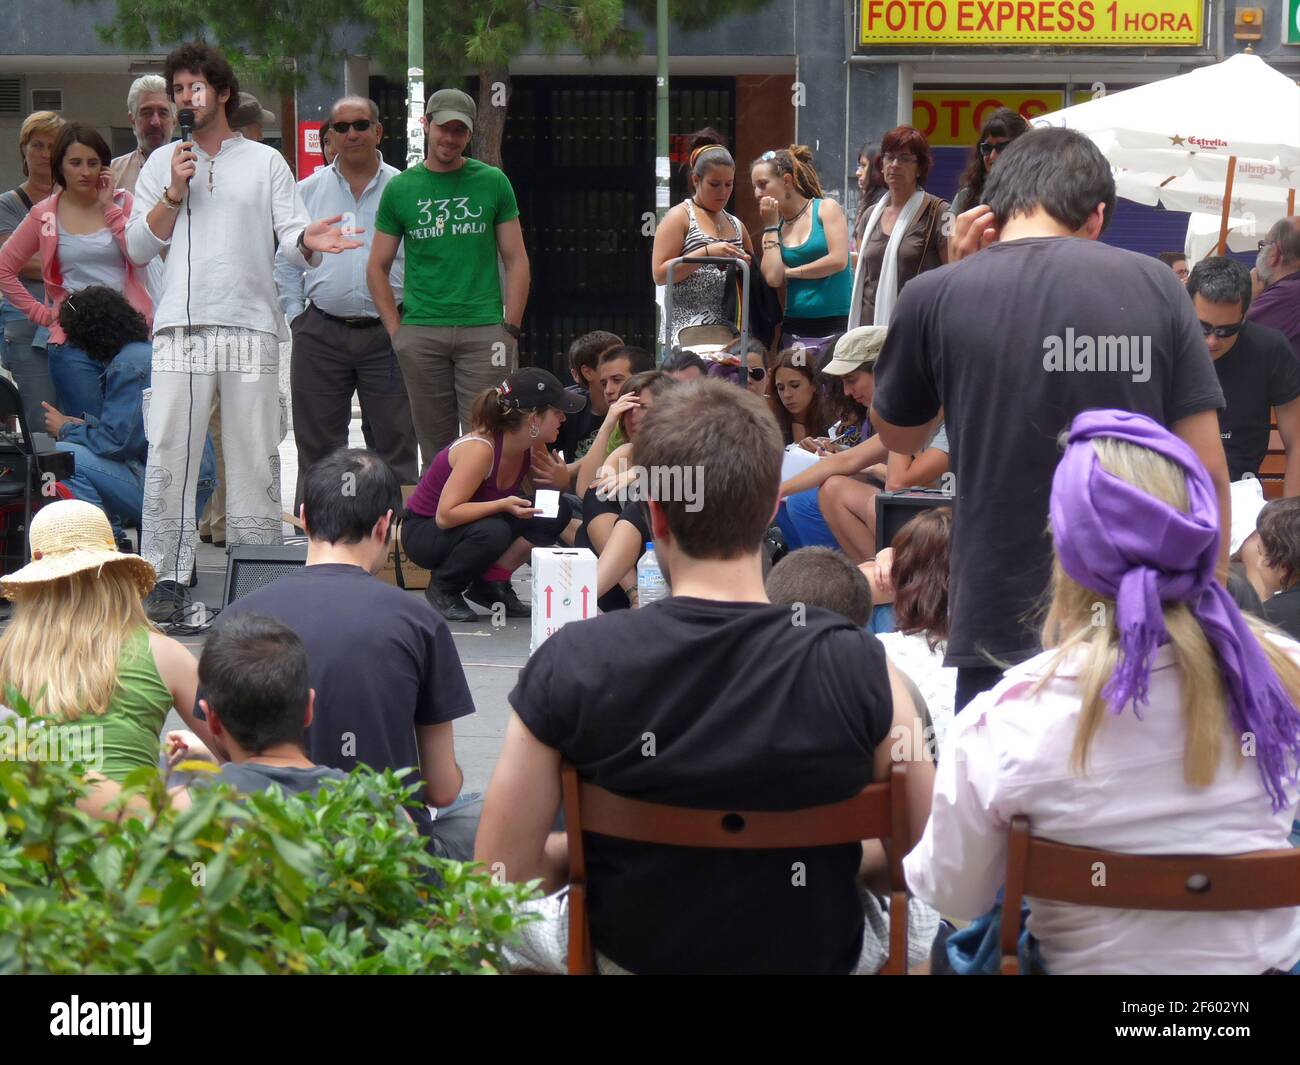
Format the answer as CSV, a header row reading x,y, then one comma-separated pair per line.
x,y
382,662
715,705
1013,343
579,430
1260,371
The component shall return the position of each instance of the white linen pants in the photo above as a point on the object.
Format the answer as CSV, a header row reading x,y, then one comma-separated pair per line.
x,y
191,367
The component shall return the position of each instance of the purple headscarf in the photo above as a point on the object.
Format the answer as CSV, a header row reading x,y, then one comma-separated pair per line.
x,y
1118,541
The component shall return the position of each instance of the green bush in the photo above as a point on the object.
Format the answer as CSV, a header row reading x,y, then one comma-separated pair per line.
x,y
336,882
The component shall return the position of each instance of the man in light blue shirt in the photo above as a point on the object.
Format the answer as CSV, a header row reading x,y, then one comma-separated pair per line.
x,y
339,344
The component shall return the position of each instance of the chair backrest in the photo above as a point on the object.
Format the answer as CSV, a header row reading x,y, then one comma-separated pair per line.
x,y
1081,876
877,812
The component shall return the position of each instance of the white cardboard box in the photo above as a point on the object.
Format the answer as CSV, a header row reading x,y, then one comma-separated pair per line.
x,y
564,589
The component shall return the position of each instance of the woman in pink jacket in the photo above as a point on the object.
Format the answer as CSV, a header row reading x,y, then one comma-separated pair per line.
x,y
80,233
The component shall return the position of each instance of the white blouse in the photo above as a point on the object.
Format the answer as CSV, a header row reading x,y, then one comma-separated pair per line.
x,y
1008,753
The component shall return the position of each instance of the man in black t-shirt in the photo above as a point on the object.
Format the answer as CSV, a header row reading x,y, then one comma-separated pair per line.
x,y
579,430
387,676
712,698
1257,370
1010,344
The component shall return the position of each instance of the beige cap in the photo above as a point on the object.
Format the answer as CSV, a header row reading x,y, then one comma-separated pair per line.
x,y
858,349
250,112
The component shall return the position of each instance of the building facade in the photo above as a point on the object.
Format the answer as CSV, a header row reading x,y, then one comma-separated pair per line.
x,y
832,74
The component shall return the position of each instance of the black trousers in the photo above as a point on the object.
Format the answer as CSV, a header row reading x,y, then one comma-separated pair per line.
x,y
455,557
330,362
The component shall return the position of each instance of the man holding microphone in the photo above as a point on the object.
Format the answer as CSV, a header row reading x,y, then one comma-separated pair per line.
x,y
215,202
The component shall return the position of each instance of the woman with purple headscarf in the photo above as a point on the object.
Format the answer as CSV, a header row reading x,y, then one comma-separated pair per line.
x,y
1159,721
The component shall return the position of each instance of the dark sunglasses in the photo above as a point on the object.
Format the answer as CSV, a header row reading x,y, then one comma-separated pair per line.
x,y
987,148
1222,331
360,125
757,373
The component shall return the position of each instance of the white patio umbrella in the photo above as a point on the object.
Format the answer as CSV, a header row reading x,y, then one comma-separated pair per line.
x,y
1229,132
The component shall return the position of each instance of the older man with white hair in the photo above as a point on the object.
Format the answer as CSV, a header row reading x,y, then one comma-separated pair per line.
x,y
152,117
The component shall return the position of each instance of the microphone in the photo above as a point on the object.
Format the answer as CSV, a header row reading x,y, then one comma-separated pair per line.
x,y
186,119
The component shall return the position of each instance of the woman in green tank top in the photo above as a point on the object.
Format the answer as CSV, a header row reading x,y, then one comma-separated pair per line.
x,y
80,650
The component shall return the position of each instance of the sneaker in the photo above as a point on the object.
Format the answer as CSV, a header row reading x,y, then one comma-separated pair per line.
x,y
165,600
489,593
451,605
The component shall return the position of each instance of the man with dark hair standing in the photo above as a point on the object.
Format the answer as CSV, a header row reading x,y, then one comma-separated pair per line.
x,y
388,678
811,718
1257,371
454,336
216,204
1042,324
339,344
1278,268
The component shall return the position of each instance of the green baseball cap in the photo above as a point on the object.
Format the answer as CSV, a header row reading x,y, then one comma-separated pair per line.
x,y
451,105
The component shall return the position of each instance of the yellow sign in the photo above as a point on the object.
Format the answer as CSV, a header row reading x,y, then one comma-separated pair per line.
x,y
953,119
1054,23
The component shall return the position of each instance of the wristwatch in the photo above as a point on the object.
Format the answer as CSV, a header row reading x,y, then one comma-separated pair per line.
x,y
513,330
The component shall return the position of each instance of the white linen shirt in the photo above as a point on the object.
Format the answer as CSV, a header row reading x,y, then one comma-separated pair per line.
x,y
231,230
338,286
1008,753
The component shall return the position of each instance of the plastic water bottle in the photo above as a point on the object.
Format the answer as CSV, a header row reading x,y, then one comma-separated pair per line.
x,y
650,583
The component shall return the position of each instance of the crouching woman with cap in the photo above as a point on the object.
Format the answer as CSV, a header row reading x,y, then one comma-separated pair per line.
x,y
471,522
79,648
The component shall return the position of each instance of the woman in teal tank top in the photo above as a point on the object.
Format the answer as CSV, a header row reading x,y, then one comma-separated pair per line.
x,y
805,245
80,650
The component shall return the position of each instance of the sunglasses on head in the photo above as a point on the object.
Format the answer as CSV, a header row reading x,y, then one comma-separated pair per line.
x,y
987,148
757,373
1222,331
360,125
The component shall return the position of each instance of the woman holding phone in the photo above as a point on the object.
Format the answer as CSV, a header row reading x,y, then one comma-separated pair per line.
x,y
79,232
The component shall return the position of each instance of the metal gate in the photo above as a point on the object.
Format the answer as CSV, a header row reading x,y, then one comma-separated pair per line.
x,y
580,155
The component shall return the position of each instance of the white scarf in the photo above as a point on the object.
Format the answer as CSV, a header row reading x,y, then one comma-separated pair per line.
x,y
887,287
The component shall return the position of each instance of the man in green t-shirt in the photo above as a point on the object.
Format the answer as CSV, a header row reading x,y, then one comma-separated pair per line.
x,y
453,337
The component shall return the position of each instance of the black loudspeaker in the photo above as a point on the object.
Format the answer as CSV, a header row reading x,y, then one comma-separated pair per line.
x,y
896,509
253,566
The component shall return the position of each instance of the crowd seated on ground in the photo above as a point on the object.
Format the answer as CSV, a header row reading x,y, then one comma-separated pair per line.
x,y
1166,642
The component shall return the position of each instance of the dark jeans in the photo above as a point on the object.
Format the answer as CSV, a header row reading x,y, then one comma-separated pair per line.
x,y
971,680
455,557
331,361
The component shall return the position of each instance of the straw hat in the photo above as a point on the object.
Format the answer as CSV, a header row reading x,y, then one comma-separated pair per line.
x,y
70,536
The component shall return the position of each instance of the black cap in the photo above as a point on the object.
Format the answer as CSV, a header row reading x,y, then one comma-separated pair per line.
x,y
532,388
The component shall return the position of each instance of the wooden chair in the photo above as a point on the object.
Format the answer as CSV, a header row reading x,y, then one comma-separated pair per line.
x,y
1272,471
878,812
1262,880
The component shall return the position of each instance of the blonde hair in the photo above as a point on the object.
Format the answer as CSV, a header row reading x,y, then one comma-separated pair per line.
x,y
61,649
37,122
1081,621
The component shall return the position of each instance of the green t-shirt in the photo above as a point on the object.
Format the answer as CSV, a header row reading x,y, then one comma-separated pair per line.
x,y
448,223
